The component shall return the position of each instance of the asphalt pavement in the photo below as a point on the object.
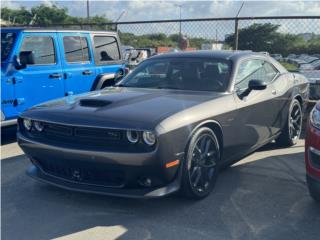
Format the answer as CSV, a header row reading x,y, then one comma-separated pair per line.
x,y
264,196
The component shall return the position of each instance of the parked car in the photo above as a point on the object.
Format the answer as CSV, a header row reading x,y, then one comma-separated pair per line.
x,y
40,65
277,57
313,77
312,153
169,125
315,65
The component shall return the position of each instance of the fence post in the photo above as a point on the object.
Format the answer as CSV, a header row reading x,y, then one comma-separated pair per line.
x,y
236,34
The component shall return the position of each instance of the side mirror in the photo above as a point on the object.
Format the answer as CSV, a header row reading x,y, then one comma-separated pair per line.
x,y
253,85
257,85
17,63
27,58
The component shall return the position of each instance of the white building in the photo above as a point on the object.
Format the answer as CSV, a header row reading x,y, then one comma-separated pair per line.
x,y
211,46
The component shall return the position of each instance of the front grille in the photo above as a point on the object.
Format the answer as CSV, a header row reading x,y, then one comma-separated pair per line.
x,y
76,171
82,135
89,138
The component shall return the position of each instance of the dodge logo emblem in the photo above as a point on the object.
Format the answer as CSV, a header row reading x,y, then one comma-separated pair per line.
x,y
76,175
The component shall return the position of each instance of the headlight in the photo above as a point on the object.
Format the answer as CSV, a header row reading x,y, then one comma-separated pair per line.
x,y
27,123
149,138
315,117
38,126
133,136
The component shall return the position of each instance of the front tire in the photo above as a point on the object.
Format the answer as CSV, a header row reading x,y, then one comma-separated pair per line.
x,y
201,165
291,132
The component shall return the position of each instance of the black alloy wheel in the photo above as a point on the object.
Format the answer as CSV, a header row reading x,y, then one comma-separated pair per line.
x,y
295,122
202,164
291,132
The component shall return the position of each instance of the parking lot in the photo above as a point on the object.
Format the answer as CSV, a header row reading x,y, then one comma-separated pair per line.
x,y
264,196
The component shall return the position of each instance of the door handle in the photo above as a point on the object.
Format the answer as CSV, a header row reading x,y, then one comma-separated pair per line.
x,y
274,92
55,75
87,72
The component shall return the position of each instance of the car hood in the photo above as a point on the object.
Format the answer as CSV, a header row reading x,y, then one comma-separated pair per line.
x,y
129,108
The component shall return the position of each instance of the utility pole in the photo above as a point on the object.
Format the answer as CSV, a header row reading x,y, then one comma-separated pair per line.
x,y
88,12
180,7
236,29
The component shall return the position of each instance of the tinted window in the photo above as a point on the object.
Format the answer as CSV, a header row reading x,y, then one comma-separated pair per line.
x,y
7,41
76,49
197,74
106,49
254,70
42,48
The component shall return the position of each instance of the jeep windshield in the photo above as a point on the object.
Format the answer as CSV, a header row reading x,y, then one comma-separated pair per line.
x,y
197,74
7,42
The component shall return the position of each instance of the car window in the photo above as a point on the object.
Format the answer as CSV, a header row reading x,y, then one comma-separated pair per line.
x,y
198,74
42,48
254,69
270,72
7,41
76,49
106,49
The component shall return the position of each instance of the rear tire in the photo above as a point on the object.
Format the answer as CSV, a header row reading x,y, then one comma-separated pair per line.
x,y
201,165
292,130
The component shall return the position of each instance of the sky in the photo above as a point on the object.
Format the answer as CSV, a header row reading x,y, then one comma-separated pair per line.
x,y
156,10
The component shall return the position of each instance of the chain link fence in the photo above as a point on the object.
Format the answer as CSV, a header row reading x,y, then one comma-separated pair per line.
x,y
294,40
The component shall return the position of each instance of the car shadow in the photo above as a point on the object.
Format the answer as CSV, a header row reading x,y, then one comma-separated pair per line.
x,y
262,199
8,135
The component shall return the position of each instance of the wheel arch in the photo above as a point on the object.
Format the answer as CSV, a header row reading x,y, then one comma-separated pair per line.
x,y
299,98
215,127
100,79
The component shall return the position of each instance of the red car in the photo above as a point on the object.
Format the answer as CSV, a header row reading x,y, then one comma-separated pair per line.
x,y
312,153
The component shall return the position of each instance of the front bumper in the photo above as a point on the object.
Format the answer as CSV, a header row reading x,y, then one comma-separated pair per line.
x,y
108,173
37,174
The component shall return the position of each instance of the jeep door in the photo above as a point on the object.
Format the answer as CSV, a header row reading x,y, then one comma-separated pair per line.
x,y
78,65
41,80
107,57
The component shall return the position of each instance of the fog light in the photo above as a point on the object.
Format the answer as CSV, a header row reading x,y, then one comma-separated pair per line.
x,y
145,182
27,123
133,136
149,138
38,126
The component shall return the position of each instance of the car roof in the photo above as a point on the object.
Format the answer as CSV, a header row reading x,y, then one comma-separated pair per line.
x,y
222,54
35,29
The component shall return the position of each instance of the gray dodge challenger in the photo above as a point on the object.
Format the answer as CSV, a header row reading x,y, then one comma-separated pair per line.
x,y
171,125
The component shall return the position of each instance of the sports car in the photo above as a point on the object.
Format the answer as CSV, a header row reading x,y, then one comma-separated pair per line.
x,y
171,125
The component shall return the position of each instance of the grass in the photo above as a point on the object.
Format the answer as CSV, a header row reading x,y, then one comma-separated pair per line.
x,y
290,67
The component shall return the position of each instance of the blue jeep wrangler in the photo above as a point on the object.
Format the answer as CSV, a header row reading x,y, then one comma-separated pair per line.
x,y
40,65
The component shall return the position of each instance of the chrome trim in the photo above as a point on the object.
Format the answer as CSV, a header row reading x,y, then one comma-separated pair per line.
x,y
8,122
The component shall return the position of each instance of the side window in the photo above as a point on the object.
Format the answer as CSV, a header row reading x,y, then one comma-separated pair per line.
x,y
76,49
106,49
249,70
42,48
270,72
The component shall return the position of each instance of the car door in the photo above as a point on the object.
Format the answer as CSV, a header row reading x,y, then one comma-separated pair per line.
x,y
77,62
256,111
42,79
107,55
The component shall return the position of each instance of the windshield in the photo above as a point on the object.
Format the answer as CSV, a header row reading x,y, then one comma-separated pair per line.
x,y
7,41
198,74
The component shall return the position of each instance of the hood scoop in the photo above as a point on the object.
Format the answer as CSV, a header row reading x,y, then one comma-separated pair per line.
x,y
95,103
